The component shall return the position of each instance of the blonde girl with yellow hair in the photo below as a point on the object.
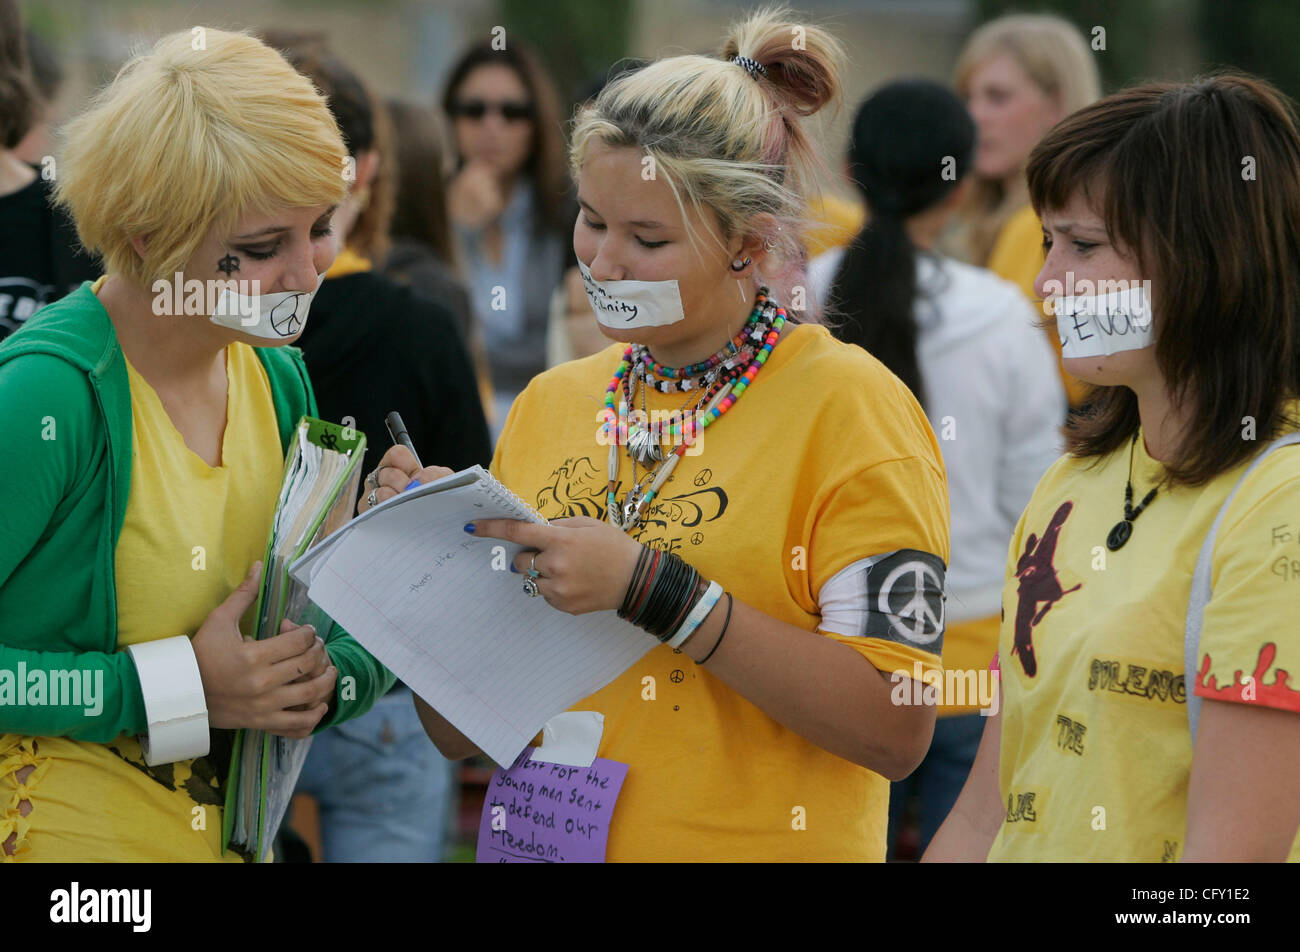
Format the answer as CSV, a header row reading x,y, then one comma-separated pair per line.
x,y
146,433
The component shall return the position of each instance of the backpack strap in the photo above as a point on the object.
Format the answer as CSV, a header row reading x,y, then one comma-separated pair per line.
x,y
1201,591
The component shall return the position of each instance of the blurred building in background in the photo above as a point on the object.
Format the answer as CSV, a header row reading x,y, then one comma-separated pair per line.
x,y
404,47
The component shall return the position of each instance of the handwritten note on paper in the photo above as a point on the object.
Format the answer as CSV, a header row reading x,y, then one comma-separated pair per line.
x,y
440,610
539,812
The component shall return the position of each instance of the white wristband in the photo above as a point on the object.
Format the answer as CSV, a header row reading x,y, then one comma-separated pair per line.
x,y
697,615
174,702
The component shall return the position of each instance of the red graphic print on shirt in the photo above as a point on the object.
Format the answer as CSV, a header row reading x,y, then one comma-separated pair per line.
x,y
1038,583
1279,693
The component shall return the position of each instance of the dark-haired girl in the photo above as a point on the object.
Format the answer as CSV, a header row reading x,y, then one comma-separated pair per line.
x,y
508,206
1150,711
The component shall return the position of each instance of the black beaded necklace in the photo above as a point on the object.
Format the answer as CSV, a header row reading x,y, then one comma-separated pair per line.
x,y
1124,528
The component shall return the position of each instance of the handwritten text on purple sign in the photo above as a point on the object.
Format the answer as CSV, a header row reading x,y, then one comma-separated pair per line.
x,y
539,812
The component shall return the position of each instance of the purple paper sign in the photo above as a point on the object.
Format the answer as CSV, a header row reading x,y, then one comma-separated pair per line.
x,y
539,812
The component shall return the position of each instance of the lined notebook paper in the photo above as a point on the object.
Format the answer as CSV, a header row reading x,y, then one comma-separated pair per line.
x,y
442,611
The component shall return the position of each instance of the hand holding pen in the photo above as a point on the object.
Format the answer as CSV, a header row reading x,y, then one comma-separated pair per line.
x,y
399,470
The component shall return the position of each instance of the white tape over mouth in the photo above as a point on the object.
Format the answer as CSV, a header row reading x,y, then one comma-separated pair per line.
x,y
272,316
633,303
1099,325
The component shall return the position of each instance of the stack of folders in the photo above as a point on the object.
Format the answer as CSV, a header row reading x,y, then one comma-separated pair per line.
x,y
322,473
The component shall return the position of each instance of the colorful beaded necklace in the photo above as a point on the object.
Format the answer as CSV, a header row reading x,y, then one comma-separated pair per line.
x,y
722,384
644,436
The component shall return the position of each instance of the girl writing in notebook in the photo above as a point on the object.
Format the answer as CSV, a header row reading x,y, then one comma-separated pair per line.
x,y
789,547
146,428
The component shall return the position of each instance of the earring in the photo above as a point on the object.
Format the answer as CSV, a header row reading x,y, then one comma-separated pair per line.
x,y
739,265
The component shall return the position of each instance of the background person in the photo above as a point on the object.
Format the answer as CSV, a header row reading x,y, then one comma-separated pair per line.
x,y
507,205
40,256
375,346
421,250
965,343
1020,75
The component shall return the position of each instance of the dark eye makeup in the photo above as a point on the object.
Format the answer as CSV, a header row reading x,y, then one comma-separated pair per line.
x,y
265,252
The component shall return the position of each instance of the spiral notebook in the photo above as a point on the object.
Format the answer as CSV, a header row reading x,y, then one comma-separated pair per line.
x,y
442,610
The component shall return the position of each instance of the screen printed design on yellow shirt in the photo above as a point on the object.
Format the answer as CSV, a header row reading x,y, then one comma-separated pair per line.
x,y
825,461
1096,752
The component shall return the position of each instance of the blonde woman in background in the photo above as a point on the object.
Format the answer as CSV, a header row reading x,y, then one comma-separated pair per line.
x,y
1020,75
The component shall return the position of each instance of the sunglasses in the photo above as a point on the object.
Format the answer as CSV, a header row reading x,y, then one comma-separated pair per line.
x,y
477,109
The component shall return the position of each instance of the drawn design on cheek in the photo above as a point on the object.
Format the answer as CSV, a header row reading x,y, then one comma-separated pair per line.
x,y
229,264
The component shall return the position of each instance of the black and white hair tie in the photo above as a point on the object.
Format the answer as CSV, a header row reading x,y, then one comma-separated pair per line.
x,y
753,66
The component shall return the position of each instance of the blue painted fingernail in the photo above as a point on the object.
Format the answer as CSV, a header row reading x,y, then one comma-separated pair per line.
x,y
513,569
412,484
469,527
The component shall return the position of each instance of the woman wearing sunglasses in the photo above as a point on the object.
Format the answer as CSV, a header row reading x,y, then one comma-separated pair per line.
x,y
507,203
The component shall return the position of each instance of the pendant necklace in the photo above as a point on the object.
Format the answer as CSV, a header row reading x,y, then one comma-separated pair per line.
x,y
719,388
1124,528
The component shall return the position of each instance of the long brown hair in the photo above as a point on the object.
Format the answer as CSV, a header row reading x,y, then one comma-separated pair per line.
x,y
545,166
1201,181
420,149
19,100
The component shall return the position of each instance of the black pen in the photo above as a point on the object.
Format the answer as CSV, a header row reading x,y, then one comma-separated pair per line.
x,y
397,430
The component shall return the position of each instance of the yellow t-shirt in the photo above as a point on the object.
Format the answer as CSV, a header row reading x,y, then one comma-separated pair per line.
x,y
1018,256
967,646
1094,711
189,536
825,460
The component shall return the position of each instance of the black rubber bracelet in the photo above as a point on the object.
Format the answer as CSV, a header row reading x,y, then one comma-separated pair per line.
x,y
662,596
725,623
638,576
671,587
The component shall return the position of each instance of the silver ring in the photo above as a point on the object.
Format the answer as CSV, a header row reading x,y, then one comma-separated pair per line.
x,y
373,480
530,586
532,567
371,501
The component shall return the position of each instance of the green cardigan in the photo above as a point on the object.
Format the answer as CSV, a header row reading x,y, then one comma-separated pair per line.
x,y
65,434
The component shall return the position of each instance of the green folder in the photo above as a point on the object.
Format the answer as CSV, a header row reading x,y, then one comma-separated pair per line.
x,y
322,475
